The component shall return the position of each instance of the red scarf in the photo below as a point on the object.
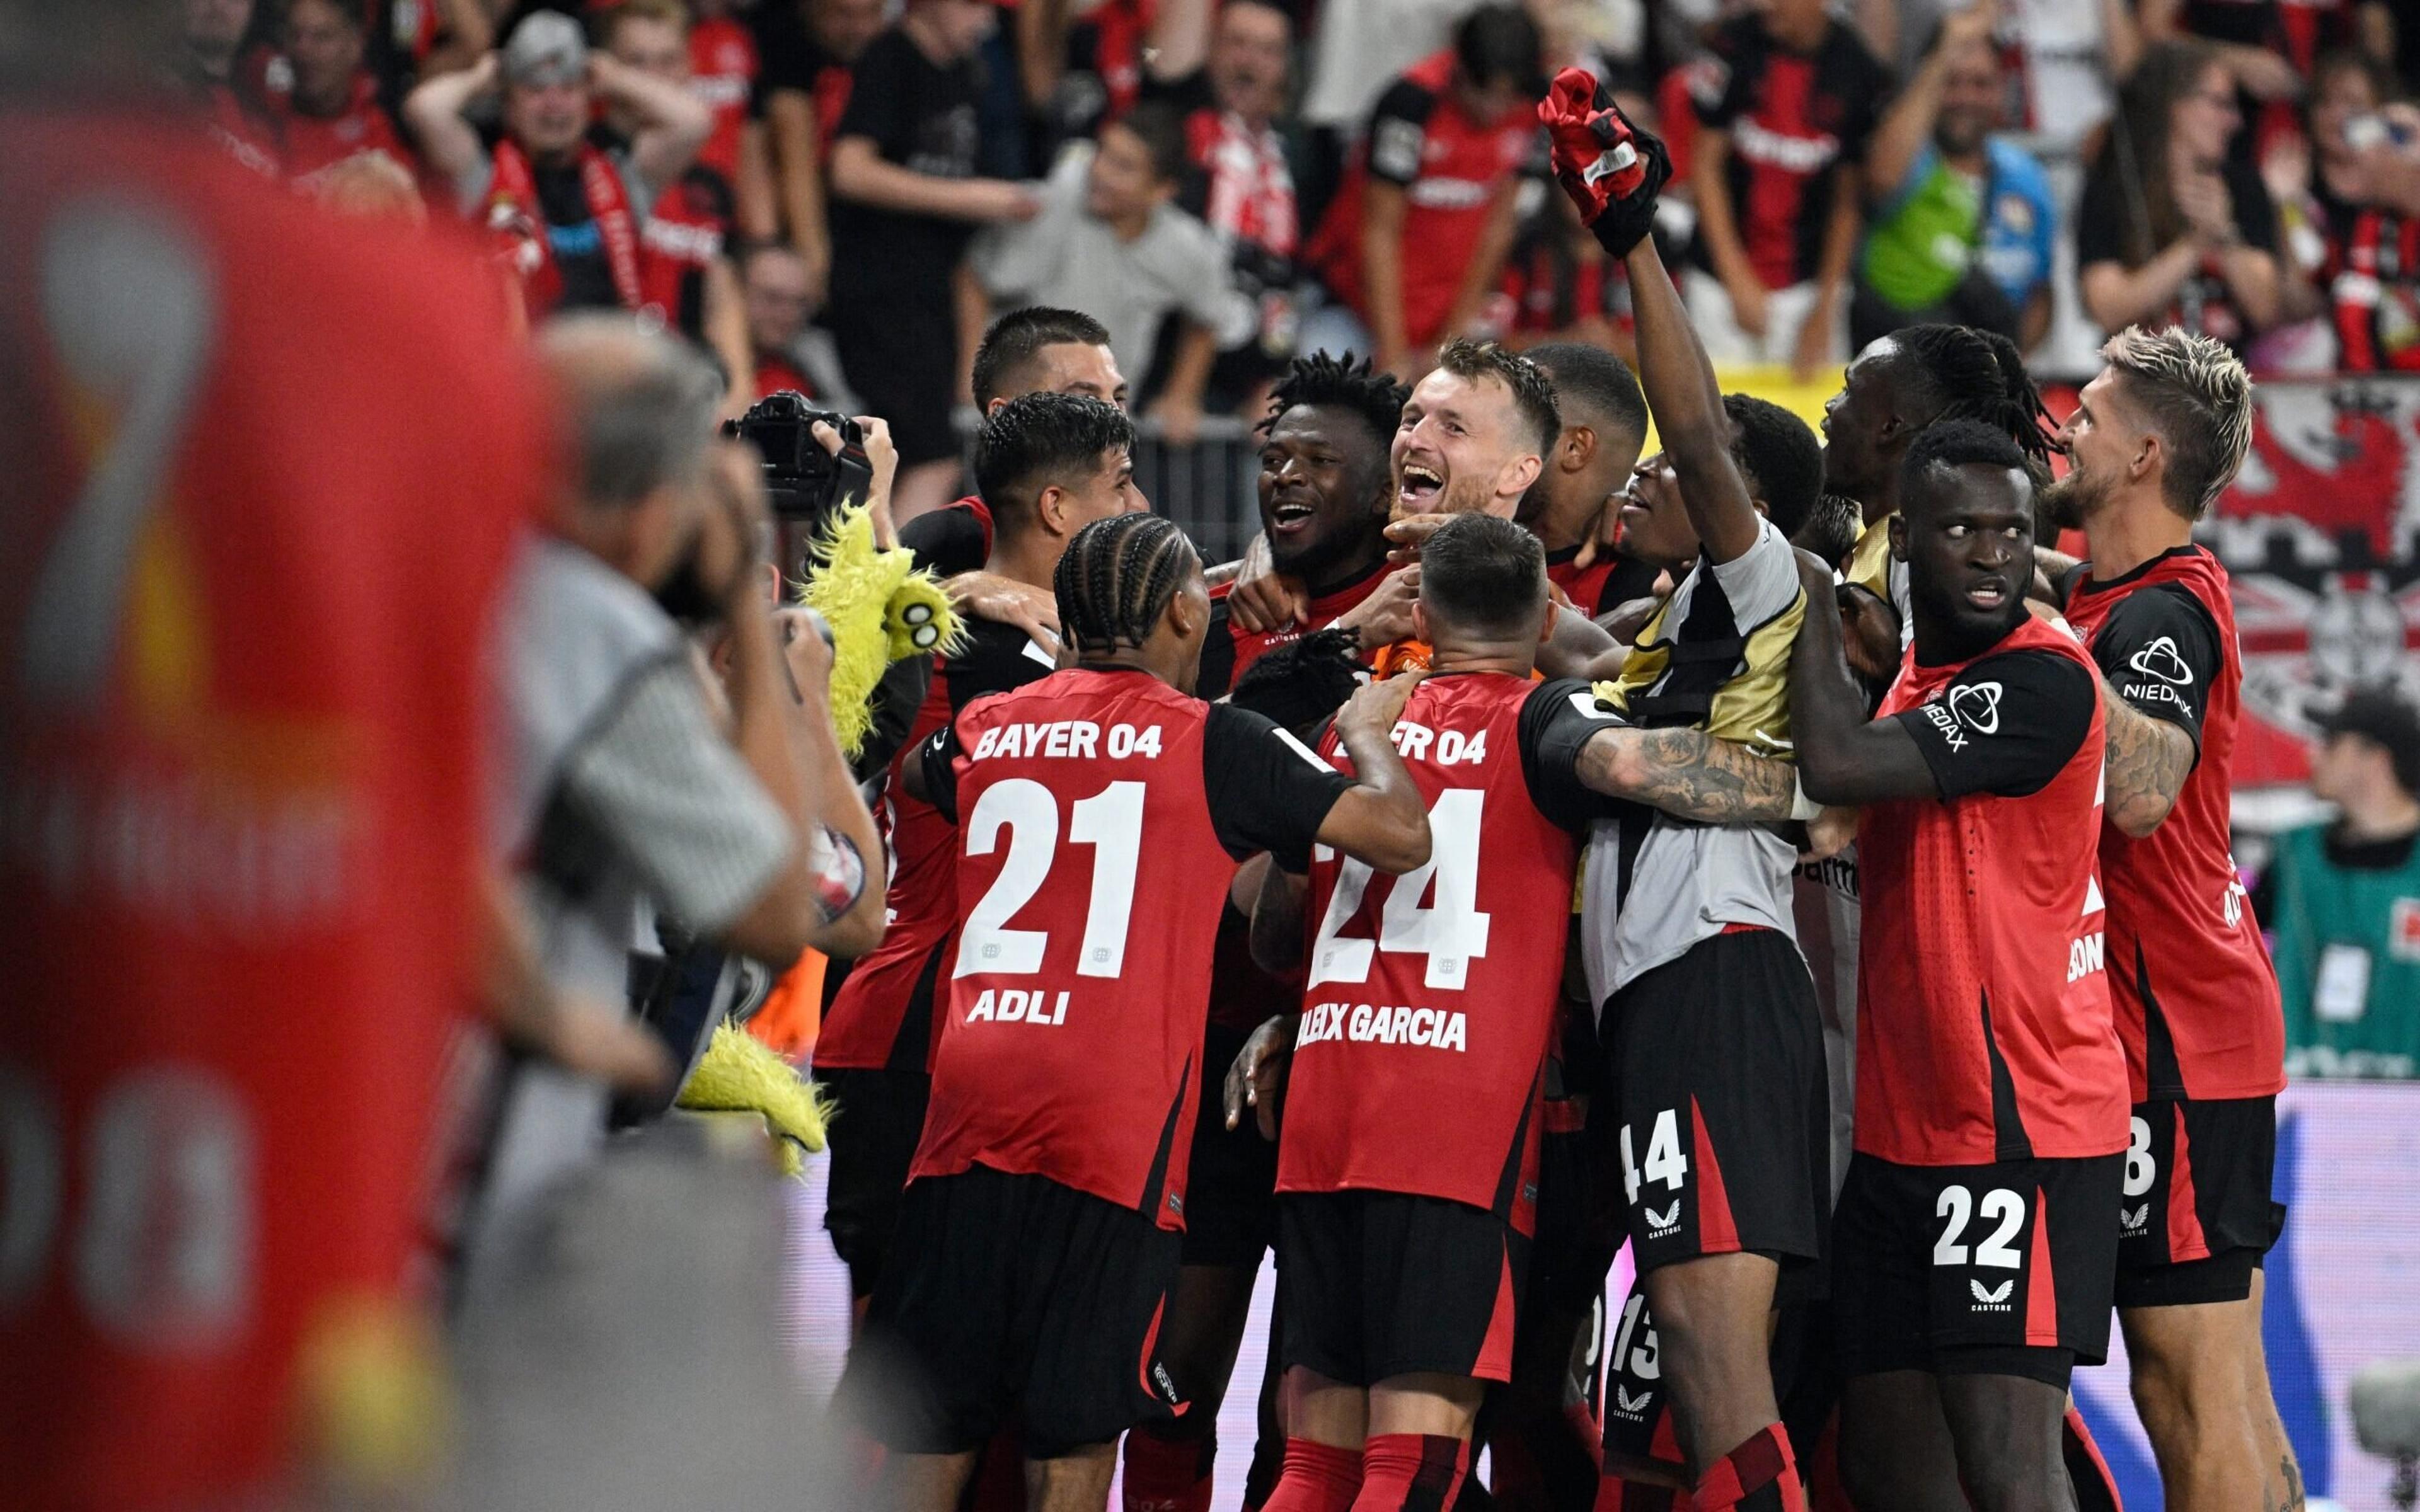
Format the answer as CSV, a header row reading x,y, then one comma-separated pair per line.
x,y
513,213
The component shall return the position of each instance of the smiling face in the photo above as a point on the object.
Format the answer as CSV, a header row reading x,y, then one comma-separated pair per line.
x,y
1324,492
1462,448
2101,443
1971,95
1654,522
1966,534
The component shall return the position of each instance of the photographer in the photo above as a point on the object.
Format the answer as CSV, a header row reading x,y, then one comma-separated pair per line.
x,y
625,789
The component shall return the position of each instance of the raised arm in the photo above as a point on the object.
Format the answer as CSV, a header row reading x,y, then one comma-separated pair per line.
x,y
860,172
1380,819
1843,758
1688,405
673,123
435,113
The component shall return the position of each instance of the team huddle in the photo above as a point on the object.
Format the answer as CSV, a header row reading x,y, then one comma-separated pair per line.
x,y
1850,929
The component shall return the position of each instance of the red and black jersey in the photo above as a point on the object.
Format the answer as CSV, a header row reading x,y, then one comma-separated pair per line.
x,y
1101,816
1431,997
882,1016
247,923
723,76
1230,650
1984,1017
2189,978
1449,168
1604,584
682,237
1792,118
311,143
2372,276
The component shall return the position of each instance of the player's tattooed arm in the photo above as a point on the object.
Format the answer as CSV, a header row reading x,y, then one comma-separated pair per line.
x,y
1689,773
1843,756
2147,762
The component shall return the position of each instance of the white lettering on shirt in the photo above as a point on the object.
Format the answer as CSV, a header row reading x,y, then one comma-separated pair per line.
x,y
1431,1028
1014,1005
1454,747
1066,740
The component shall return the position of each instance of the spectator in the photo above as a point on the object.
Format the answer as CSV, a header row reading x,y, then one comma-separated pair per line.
x,y
1109,242
409,40
1417,238
1238,183
686,277
722,65
807,49
774,286
1783,129
2272,47
2173,231
905,203
1964,221
2366,193
568,211
2068,58
1082,66
1560,285
212,38
625,789
329,110
2341,900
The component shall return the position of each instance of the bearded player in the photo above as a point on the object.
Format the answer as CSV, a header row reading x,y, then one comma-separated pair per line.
x,y
1324,494
1408,1160
2154,440
1976,1239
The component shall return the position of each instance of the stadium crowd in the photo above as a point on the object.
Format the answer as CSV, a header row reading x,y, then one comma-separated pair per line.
x,y
1799,854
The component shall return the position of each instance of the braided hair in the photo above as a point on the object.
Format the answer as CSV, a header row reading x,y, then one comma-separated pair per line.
x,y
1960,373
1377,398
1116,577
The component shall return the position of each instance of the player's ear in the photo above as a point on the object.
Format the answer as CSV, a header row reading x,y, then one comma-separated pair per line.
x,y
1184,616
1421,621
2148,453
1522,472
1050,508
1578,450
1545,622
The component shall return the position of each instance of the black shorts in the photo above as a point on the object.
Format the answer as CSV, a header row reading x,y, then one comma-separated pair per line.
x,y
2004,1268
878,1118
901,357
1014,1294
1723,1142
1231,1205
2196,1216
1378,1284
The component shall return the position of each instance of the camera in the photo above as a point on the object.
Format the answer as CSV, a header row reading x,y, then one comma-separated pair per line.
x,y
805,482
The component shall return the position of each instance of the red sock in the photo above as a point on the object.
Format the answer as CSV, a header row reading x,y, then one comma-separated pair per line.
x,y
1410,1473
1167,1474
1760,1474
2096,1489
1614,1494
1318,1477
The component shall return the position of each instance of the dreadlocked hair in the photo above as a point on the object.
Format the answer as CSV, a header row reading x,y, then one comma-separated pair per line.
x,y
1117,577
1377,398
1965,374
